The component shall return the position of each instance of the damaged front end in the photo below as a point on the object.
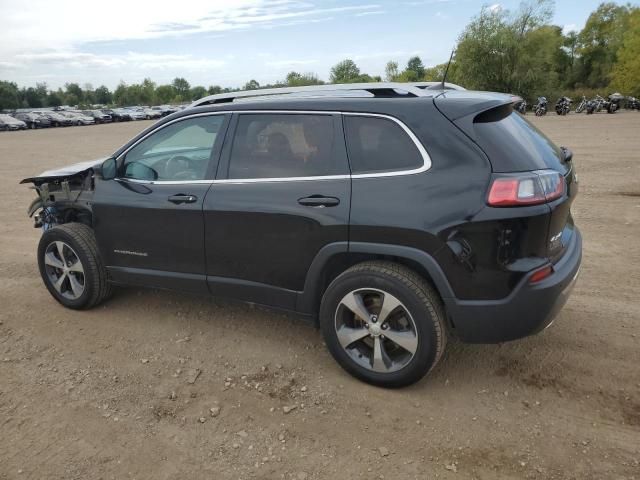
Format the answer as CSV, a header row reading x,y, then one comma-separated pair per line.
x,y
64,195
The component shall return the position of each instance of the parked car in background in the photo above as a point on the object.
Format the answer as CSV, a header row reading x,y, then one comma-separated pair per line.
x,y
57,120
7,122
117,114
33,120
135,113
78,118
165,109
149,113
98,115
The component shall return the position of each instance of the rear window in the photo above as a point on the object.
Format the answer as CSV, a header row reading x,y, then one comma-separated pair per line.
x,y
378,145
513,144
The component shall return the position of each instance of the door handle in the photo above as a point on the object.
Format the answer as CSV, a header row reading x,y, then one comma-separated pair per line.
x,y
319,201
181,198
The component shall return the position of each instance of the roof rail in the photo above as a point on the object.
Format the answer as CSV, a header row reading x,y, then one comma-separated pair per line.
x,y
380,89
436,86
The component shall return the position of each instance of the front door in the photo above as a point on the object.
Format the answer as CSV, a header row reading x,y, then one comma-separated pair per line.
x,y
149,222
282,194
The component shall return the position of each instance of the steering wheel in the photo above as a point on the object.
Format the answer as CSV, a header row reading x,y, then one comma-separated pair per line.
x,y
179,167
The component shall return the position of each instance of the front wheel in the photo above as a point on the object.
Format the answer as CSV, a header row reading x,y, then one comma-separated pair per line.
x,y
71,267
383,324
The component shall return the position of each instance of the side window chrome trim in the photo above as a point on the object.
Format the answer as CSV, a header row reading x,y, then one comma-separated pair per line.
x,y
423,152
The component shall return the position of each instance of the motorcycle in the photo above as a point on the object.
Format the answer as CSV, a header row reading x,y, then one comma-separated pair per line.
x,y
521,107
632,103
582,105
595,104
614,102
563,106
541,107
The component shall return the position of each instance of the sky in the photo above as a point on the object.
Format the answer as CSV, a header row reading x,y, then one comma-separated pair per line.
x,y
229,42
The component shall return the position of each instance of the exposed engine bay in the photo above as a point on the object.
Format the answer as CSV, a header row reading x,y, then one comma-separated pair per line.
x,y
64,195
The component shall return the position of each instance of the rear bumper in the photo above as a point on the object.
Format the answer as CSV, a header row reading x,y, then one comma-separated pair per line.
x,y
527,310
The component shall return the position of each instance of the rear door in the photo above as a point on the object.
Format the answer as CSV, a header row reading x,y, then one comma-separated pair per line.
x,y
282,194
149,221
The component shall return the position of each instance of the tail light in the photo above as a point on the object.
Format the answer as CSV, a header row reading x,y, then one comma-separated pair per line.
x,y
526,188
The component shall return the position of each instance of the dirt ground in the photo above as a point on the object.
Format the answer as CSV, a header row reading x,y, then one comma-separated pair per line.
x,y
114,393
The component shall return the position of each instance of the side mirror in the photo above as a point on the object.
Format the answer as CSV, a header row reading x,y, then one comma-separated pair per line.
x,y
109,169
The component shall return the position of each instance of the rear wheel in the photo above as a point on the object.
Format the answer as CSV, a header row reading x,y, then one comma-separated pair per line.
x,y
383,324
71,267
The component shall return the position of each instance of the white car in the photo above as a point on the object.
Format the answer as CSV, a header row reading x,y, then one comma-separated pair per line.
x,y
7,122
136,113
151,113
78,118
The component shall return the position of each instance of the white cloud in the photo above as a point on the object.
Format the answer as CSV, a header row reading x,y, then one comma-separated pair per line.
x,y
496,7
373,12
571,27
66,39
65,24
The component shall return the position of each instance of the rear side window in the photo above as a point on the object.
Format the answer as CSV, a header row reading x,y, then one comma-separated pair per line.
x,y
284,146
513,144
378,145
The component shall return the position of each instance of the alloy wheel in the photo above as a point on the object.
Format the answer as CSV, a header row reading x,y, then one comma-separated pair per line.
x,y
376,330
64,270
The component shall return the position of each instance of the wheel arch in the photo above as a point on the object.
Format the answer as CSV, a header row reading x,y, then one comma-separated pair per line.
x,y
335,258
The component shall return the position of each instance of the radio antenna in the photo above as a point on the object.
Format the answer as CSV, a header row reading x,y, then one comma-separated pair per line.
x,y
444,77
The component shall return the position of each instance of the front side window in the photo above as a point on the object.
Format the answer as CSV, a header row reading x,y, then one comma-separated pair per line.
x,y
284,146
179,152
378,145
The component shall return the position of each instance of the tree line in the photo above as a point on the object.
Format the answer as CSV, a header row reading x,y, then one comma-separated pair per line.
x,y
518,52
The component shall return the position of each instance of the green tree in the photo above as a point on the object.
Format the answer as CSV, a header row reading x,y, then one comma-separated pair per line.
x,y
165,94
147,92
121,95
599,42
415,69
182,87
31,98
626,72
295,79
507,52
391,72
251,85
345,72
214,90
103,95
9,95
198,92
435,73
54,99
73,94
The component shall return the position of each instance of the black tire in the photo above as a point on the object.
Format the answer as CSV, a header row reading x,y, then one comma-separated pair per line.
x,y
82,241
422,303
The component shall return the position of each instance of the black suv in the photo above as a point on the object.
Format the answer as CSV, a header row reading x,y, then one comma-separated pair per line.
x,y
394,216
